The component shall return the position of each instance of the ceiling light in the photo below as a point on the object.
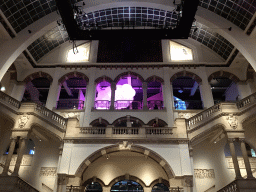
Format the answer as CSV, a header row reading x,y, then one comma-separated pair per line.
x,y
180,91
2,88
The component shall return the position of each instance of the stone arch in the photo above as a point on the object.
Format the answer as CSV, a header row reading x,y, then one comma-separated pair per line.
x,y
134,148
99,121
73,74
226,74
154,78
160,180
38,75
187,74
94,179
131,118
124,177
129,73
161,122
103,78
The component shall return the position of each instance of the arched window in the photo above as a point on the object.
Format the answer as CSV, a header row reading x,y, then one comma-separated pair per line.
x,y
160,187
154,95
127,186
93,187
103,95
186,93
37,90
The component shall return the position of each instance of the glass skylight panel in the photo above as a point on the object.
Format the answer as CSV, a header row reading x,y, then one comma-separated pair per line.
x,y
80,54
180,53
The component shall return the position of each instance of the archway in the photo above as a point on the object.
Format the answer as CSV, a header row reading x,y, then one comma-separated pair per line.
x,y
126,185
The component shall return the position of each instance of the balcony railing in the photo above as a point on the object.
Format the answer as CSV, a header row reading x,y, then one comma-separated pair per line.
x,y
128,104
125,131
93,130
193,104
73,188
70,104
102,104
240,185
155,104
6,98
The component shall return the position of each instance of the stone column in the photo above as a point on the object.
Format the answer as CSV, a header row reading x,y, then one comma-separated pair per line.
x,y
19,90
62,183
206,94
54,91
23,145
113,90
168,96
9,156
243,90
246,159
234,158
145,102
58,168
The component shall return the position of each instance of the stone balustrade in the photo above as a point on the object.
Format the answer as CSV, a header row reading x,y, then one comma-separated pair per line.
x,y
240,185
232,187
9,100
73,188
127,131
246,101
14,183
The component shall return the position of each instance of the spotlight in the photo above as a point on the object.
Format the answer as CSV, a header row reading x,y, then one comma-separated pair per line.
x,y
180,91
2,88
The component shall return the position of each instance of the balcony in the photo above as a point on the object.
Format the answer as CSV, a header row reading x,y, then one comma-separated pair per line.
x,y
189,104
102,104
155,104
70,104
128,104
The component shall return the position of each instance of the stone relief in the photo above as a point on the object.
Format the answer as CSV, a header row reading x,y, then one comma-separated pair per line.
x,y
26,160
70,115
185,115
241,162
48,171
23,121
204,173
125,145
232,120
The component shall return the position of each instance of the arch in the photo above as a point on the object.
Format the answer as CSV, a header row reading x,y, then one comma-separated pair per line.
x,y
124,177
99,121
160,180
131,119
73,74
94,179
226,74
154,78
129,73
134,148
187,74
161,122
38,75
103,78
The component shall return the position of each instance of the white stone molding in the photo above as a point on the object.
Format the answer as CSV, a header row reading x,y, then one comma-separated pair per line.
x,y
48,171
70,115
204,173
125,145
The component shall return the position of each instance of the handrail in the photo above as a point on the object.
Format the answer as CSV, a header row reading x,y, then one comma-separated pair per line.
x,y
93,130
9,99
2,165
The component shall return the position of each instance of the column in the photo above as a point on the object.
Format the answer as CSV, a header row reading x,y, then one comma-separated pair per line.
x,y
54,91
9,156
145,97
58,168
243,90
11,87
246,159
168,96
23,145
62,182
19,90
113,91
206,94
234,158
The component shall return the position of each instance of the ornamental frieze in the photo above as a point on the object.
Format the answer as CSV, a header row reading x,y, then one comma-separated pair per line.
x,y
48,171
204,173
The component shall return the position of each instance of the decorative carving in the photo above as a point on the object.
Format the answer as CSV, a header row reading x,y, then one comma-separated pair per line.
x,y
232,120
70,115
23,121
125,145
26,160
48,171
188,181
204,173
185,115
241,163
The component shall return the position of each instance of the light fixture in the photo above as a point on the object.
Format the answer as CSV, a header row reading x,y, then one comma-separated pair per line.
x,y
2,88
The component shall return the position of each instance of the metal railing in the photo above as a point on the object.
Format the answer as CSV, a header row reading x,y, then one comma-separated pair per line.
x,y
70,104
155,104
102,104
128,104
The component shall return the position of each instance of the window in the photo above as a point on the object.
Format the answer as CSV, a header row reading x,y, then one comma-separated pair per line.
x,y
79,54
179,52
